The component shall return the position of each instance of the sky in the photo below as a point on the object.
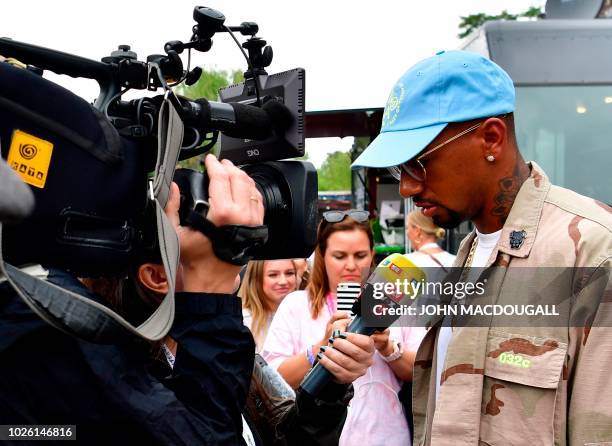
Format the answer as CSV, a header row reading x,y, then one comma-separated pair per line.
x,y
353,51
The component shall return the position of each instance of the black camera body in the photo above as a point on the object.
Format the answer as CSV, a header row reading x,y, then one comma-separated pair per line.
x,y
290,204
89,183
88,165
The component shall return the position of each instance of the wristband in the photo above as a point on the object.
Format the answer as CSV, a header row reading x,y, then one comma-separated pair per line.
x,y
310,356
396,354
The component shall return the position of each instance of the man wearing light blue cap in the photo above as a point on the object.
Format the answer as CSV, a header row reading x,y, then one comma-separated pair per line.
x,y
448,137
440,102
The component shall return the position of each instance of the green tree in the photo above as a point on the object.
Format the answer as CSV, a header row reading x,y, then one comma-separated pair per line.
x,y
209,84
335,173
207,87
360,143
473,21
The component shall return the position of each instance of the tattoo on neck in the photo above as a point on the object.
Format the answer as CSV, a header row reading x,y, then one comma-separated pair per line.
x,y
508,189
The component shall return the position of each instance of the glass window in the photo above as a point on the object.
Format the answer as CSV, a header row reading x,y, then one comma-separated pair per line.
x,y
567,130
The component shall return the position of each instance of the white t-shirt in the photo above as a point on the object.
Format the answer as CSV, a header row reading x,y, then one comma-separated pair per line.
x,y
247,320
424,260
484,248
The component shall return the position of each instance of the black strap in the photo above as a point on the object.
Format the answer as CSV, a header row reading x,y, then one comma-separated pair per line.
x,y
235,244
437,261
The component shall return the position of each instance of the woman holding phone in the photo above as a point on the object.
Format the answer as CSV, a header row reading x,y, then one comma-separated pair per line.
x,y
307,327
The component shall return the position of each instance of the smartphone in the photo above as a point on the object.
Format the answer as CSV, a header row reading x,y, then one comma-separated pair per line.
x,y
346,294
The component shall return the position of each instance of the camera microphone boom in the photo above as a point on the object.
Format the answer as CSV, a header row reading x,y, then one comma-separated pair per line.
x,y
235,119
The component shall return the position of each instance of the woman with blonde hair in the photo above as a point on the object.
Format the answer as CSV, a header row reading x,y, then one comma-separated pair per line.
x,y
303,273
265,285
424,235
307,328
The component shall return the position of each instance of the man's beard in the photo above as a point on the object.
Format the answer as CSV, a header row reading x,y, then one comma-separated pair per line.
x,y
451,221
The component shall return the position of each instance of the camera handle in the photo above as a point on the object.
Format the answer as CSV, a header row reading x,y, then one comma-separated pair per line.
x,y
63,63
122,69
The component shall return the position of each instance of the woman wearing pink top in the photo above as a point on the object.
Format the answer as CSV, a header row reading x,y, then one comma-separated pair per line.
x,y
304,321
266,283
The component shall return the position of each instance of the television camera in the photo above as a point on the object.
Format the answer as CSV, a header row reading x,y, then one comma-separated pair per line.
x,y
79,158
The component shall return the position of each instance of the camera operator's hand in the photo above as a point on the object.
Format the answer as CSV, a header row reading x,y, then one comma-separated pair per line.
x,y
351,355
234,200
232,194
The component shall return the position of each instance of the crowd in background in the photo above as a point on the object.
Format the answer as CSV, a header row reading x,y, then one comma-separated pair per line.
x,y
197,374
290,307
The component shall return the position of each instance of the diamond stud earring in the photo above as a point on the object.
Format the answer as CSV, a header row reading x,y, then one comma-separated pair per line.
x,y
490,158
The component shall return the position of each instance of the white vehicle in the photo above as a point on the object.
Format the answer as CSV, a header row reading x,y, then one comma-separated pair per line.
x,y
562,70
561,66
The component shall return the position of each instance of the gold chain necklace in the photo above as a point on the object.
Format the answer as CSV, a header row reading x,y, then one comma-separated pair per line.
x,y
470,257
465,272
468,261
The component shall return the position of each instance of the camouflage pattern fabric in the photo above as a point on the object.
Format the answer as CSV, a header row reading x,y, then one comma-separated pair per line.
x,y
564,395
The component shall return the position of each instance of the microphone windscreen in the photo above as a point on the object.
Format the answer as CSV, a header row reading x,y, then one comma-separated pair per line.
x,y
251,123
393,268
280,116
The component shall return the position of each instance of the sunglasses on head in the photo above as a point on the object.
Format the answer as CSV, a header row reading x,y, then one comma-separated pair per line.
x,y
337,216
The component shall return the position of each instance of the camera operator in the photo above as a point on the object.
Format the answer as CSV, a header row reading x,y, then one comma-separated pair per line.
x,y
110,392
106,390
273,418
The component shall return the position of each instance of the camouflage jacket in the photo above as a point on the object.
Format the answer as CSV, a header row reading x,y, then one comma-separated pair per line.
x,y
564,396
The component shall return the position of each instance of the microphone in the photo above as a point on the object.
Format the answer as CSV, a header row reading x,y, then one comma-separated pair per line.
x,y
233,119
393,268
280,116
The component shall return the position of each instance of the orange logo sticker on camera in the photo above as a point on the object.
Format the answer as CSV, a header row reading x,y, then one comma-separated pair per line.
x,y
30,157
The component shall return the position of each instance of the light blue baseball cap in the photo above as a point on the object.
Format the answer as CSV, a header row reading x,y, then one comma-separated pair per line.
x,y
452,86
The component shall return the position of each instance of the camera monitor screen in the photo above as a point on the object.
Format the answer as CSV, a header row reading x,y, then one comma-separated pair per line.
x,y
288,87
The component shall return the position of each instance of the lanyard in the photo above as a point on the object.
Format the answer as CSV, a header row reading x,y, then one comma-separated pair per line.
x,y
429,246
